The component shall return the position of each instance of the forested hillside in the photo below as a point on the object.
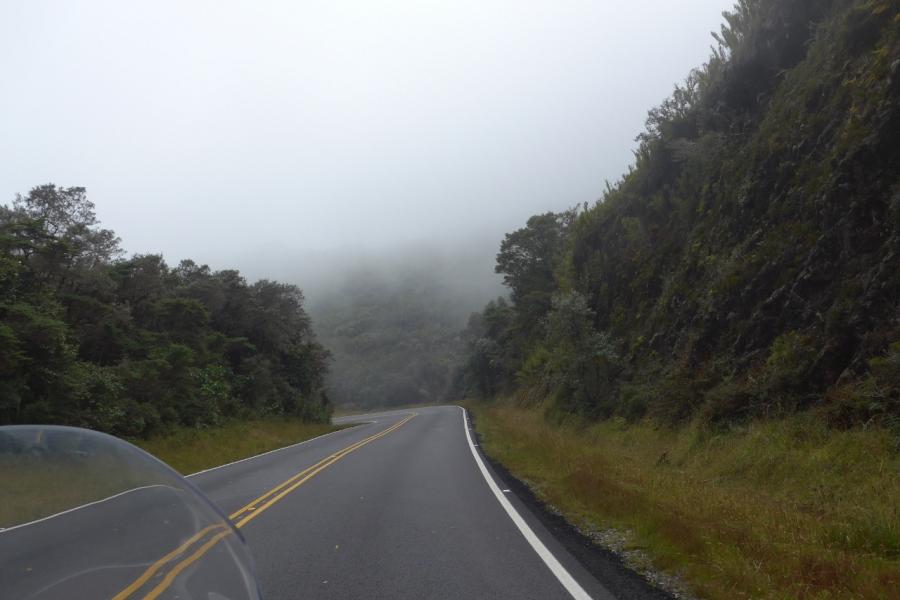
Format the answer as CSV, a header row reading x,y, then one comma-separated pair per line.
x,y
747,264
133,346
394,329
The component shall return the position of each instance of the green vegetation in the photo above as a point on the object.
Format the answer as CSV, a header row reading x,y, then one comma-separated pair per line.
x,y
394,337
709,357
746,266
190,450
48,485
133,347
783,508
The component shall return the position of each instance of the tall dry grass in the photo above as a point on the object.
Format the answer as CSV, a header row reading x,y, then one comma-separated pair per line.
x,y
783,509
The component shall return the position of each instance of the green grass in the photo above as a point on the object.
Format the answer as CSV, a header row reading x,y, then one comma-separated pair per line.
x,y
45,486
192,450
782,509
37,487
364,410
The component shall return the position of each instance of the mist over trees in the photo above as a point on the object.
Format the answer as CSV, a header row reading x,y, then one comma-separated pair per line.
x,y
745,266
393,326
133,346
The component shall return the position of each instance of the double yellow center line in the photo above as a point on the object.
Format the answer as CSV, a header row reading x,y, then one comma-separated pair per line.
x,y
240,518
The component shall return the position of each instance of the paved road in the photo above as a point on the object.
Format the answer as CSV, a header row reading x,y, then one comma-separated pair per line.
x,y
402,505
409,515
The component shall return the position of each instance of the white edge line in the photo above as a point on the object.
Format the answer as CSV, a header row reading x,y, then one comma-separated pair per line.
x,y
564,577
80,506
145,487
255,456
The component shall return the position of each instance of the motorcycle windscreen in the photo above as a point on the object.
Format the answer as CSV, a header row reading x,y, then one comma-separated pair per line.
x,y
86,515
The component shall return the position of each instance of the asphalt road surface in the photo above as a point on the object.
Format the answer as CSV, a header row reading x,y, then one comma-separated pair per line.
x,y
403,505
412,514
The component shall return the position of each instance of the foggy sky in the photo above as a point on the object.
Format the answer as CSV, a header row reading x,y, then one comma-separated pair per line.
x,y
237,133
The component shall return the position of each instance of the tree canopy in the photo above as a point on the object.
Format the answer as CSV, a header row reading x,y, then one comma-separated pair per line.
x,y
133,346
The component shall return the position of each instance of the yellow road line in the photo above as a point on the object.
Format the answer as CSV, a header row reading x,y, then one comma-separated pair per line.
x,y
338,454
137,583
267,499
170,577
320,466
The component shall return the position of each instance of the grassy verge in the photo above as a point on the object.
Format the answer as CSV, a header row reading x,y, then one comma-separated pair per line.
x,y
364,410
192,450
785,509
35,487
42,486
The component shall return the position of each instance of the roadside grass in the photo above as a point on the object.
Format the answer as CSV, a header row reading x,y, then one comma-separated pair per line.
x,y
365,410
34,487
781,509
191,450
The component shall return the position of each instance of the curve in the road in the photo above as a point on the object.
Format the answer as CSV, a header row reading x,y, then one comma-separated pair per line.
x,y
411,517
240,518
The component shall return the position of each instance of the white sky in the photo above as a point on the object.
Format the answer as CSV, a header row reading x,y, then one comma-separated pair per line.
x,y
232,131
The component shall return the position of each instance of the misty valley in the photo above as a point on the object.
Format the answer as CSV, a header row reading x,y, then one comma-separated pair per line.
x,y
696,371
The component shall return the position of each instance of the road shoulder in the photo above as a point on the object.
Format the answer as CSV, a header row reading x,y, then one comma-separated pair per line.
x,y
603,564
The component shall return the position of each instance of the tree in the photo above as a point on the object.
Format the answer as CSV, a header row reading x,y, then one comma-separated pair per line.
x,y
61,234
528,260
131,346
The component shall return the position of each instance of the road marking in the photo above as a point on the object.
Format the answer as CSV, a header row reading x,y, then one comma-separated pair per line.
x,y
564,577
170,577
80,506
249,512
260,455
307,474
328,459
137,583
144,487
